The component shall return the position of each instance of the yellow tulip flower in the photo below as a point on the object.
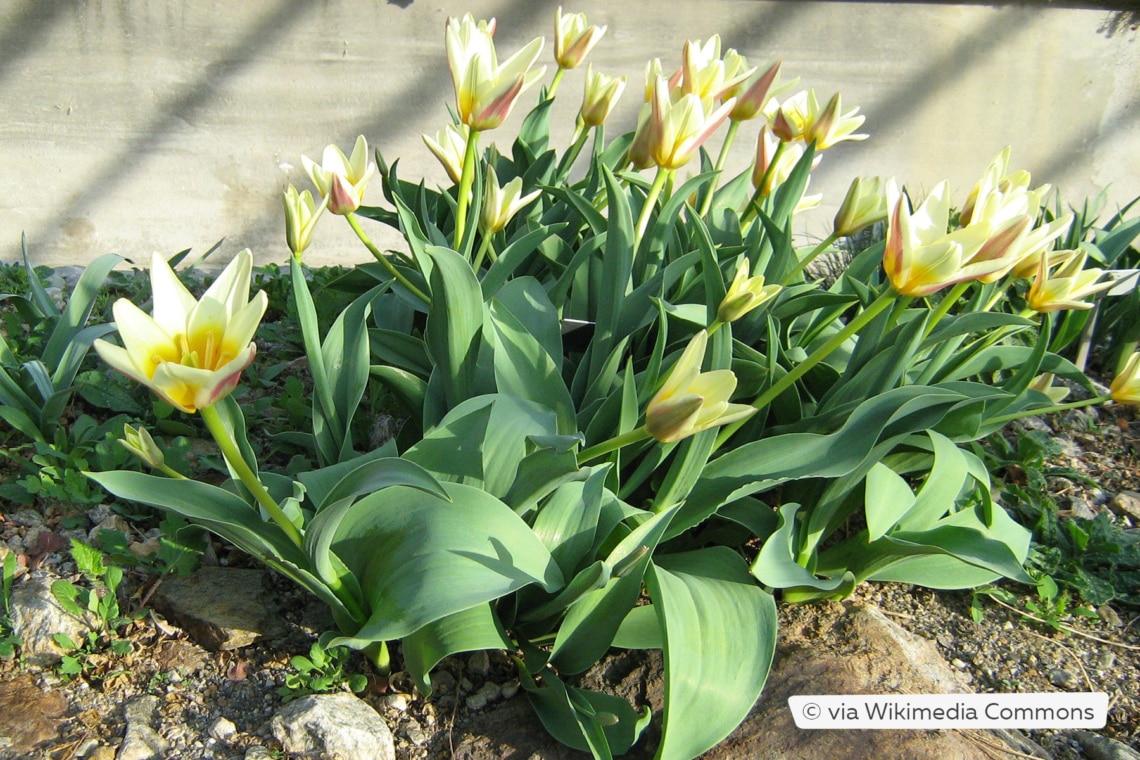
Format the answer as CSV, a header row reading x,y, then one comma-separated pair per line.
x,y
1066,287
753,93
707,75
690,400
801,118
678,124
449,146
340,179
574,37
745,294
502,203
864,205
191,353
921,257
1125,388
601,95
485,91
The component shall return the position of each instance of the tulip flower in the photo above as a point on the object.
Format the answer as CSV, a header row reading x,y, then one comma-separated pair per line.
x,y
678,125
601,95
745,294
485,91
753,93
707,75
1066,287
690,400
865,204
1044,384
191,353
921,257
449,145
341,180
500,204
1125,388
801,118
573,38
775,161
301,215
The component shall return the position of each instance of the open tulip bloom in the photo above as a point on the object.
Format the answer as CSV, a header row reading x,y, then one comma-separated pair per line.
x,y
341,179
485,91
190,352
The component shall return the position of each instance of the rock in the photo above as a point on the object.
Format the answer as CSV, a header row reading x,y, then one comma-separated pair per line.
x,y
1078,507
141,741
114,522
220,608
29,716
1062,679
27,518
223,729
488,693
258,753
479,663
333,726
1126,503
37,617
1110,617
1099,747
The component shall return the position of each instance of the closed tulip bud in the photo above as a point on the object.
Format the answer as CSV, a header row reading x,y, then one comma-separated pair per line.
x,y
138,442
864,205
600,97
500,204
341,180
1066,287
753,94
745,294
573,38
449,146
190,352
691,401
301,215
1125,388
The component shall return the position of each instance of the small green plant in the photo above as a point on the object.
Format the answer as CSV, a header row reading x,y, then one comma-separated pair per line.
x,y
1053,606
321,672
179,548
98,606
8,639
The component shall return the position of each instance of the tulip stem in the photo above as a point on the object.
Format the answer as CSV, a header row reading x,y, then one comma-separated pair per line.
x,y
945,305
554,83
466,182
581,133
1003,419
613,444
650,202
229,448
392,269
815,252
721,159
484,248
856,324
753,206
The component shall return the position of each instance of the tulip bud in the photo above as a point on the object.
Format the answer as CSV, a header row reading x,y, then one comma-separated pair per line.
x,y
301,215
752,95
500,204
138,442
573,38
864,205
1125,388
600,97
745,294
1067,286
449,146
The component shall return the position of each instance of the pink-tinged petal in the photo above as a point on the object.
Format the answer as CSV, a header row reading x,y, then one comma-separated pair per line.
x,y
497,111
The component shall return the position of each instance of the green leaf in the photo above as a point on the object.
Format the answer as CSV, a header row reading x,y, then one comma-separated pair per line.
x,y
470,630
776,564
454,323
587,721
421,558
720,638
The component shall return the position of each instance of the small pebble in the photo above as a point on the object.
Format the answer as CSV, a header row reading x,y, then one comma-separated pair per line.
x,y
959,664
1109,616
479,663
1062,679
223,729
397,702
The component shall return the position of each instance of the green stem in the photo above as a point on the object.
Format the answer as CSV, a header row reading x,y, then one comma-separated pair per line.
x,y
581,133
650,202
466,182
392,269
171,472
484,246
835,341
377,654
555,82
721,159
946,304
613,444
810,257
233,457
1003,419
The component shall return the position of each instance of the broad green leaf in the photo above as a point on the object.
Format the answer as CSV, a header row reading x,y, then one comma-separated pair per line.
x,y
888,498
345,353
776,564
588,721
471,630
454,323
640,630
421,558
720,638
79,304
567,523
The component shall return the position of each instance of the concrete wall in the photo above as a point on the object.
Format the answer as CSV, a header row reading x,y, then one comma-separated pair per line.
x,y
135,126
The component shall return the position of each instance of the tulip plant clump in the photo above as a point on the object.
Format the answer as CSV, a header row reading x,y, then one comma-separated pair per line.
x,y
617,371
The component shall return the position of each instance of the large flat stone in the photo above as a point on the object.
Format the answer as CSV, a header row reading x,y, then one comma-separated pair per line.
x,y
220,608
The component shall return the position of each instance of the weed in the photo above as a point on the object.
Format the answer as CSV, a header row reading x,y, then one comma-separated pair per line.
x,y
8,640
322,671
